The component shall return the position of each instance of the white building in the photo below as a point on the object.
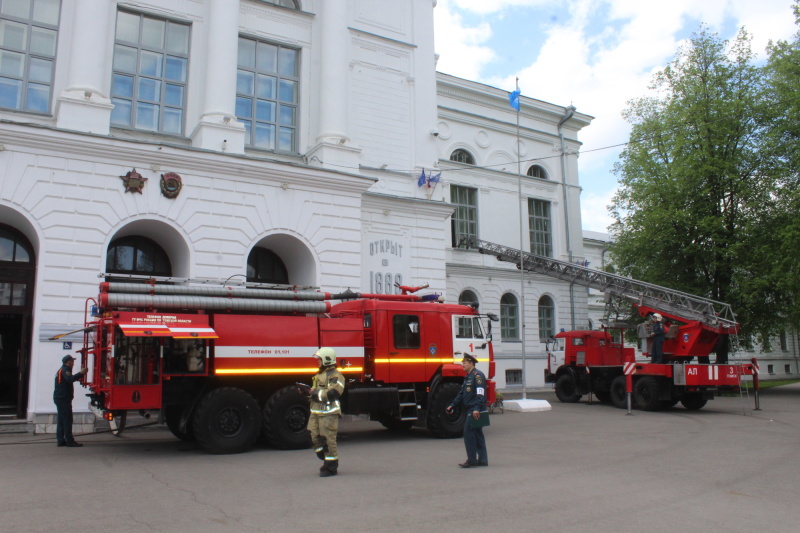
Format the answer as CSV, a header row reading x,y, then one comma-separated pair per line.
x,y
278,140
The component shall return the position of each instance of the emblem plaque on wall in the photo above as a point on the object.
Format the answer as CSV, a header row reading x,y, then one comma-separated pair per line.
x,y
133,181
171,185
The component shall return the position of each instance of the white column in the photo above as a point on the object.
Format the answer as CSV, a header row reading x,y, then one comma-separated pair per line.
x,y
333,147
334,72
85,105
218,128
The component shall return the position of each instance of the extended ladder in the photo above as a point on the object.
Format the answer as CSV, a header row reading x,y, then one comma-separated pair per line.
x,y
680,304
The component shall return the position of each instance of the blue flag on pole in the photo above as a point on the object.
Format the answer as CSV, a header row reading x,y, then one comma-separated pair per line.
x,y
434,179
421,180
513,99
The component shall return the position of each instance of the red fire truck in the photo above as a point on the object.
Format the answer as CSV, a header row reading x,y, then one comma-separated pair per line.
x,y
597,362
221,363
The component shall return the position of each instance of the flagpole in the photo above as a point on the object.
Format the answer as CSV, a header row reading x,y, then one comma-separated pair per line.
x,y
521,246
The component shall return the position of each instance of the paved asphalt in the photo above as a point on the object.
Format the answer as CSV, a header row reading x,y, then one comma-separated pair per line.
x,y
577,468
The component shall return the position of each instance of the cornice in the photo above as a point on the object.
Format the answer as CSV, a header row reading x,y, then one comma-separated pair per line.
x,y
387,201
166,157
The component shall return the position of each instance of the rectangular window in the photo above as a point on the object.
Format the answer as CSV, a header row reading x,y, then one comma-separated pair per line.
x,y
406,331
267,94
28,38
151,69
788,368
770,369
784,344
465,217
514,376
539,226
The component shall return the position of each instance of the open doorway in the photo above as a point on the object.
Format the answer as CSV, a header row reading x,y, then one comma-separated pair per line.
x,y
17,270
11,358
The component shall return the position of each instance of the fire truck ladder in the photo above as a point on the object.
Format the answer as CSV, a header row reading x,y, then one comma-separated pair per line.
x,y
715,314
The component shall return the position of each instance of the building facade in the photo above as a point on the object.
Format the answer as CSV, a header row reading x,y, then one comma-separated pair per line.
x,y
280,141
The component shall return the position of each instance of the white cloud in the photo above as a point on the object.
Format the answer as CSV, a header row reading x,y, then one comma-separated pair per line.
x,y
600,56
460,48
594,211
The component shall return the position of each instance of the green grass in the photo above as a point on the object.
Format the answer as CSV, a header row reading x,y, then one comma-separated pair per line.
x,y
768,384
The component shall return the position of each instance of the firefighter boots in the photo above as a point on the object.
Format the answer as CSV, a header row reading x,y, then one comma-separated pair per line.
x,y
330,468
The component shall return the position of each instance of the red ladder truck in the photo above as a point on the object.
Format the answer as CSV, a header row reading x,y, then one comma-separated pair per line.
x,y
221,362
597,362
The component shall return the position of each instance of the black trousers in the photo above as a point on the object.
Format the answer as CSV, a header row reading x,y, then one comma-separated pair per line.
x,y
64,421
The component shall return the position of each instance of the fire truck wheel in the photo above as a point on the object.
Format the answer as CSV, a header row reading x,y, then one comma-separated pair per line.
x,y
566,391
286,419
173,414
693,402
441,424
227,420
646,393
619,396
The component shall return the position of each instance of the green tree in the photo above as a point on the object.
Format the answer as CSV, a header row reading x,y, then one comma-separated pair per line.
x,y
695,178
778,239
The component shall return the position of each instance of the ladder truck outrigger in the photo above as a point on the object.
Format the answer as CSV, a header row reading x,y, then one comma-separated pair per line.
x,y
221,362
597,362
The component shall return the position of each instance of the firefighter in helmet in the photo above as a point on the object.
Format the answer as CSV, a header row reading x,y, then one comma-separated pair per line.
x,y
323,424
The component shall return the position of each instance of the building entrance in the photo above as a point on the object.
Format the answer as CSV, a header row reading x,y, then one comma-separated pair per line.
x,y
17,269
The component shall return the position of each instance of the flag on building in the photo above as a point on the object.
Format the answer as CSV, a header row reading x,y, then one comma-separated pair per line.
x,y
421,180
513,99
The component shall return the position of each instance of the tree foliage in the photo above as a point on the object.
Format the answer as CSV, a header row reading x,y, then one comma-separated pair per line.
x,y
706,196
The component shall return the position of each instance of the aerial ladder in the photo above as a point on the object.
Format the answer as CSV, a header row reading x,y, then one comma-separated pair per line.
x,y
594,363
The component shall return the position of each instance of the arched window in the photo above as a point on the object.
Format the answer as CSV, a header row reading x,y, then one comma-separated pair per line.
x,y
137,255
291,4
547,324
467,298
14,248
509,313
462,156
17,270
465,330
264,266
537,172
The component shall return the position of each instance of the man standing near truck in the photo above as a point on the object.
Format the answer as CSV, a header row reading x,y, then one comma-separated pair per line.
x,y
323,424
472,398
63,393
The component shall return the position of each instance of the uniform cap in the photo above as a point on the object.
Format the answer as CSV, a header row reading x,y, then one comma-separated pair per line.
x,y
67,358
470,359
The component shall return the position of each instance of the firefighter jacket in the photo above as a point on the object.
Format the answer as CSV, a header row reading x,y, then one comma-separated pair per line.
x,y
326,389
63,389
473,392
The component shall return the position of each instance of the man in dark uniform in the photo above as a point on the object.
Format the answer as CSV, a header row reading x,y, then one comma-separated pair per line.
x,y
472,397
658,339
62,396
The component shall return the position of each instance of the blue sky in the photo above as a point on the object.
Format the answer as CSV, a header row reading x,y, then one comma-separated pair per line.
x,y
594,54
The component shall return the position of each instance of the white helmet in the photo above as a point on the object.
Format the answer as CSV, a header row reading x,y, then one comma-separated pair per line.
x,y
658,317
327,356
